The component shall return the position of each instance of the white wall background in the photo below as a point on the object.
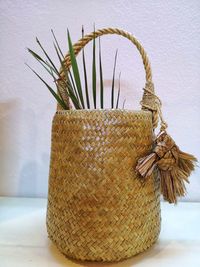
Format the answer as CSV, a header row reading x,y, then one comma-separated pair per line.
x,y
169,31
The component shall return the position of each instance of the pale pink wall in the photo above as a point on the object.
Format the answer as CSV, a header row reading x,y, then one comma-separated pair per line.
x,y
169,31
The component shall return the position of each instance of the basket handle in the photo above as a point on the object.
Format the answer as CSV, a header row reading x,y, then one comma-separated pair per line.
x,y
149,100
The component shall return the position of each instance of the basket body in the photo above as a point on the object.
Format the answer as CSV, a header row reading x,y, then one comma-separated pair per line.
x,y
98,207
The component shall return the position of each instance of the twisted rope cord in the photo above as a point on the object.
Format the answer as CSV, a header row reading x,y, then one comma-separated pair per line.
x,y
87,38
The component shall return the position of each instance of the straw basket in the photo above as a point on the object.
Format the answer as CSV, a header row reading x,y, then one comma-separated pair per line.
x,y
98,207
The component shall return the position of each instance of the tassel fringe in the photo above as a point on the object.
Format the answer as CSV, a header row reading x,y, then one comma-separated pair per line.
x,y
174,165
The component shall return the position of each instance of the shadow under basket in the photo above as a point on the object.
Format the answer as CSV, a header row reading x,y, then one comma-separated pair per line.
x,y
98,207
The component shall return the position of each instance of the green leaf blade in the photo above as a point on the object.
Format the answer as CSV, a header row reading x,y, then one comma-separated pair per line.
x,y
48,58
73,94
113,81
101,77
57,43
75,69
56,96
123,106
94,71
119,89
85,75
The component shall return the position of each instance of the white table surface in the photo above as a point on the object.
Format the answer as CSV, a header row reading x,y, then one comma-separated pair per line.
x,y
24,242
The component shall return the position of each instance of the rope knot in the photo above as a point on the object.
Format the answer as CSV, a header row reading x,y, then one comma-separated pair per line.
x,y
173,164
164,143
151,102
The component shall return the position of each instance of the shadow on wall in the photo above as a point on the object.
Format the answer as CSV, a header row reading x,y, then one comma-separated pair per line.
x,y
33,180
9,145
33,174
28,168
23,173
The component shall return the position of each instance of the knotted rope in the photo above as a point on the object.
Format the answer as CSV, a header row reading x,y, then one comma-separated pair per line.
x,y
174,166
150,101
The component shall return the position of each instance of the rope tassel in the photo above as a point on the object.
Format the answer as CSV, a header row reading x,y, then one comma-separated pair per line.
x,y
174,166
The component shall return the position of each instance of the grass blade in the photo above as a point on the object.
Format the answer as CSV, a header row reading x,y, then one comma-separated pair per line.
x,y
73,97
47,56
57,97
44,64
59,76
57,86
85,75
67,82
57,44
68,77
94,82
124,104
101,76
75,69
58,50
117,104
35,55
71,81
113,81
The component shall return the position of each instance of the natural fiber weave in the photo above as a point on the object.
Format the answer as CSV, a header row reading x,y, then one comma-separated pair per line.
x,y
98,207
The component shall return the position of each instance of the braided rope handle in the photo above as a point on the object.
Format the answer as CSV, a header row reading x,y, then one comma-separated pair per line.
x,y
89,37
149,101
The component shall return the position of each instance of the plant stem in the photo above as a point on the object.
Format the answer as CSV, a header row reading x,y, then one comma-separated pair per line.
x,y
113,81
85,75
119,89
101,76
94,71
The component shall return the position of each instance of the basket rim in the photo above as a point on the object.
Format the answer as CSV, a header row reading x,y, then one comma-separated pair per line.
x,y
107,110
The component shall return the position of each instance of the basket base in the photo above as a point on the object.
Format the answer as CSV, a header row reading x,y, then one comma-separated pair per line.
x,y
71,256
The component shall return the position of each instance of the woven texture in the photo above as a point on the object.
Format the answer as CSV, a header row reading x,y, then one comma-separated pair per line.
x,y
98,207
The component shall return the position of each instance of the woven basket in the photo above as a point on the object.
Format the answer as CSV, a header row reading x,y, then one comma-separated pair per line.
x,y
98,207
